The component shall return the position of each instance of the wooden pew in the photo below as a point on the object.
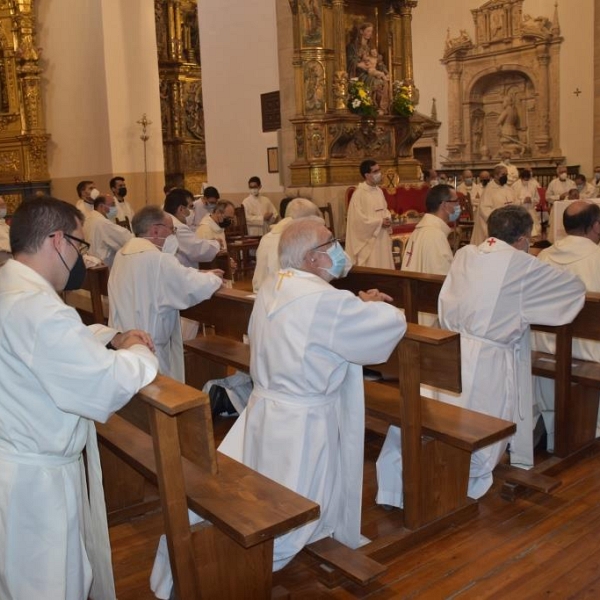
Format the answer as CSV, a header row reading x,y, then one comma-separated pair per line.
x,y
438,438
91,308
165,433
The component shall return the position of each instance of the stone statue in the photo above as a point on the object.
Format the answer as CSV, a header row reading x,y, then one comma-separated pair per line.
x,y
509,122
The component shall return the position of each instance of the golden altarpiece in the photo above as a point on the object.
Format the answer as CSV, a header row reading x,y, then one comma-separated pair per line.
x,y
337,42
23,138
181,106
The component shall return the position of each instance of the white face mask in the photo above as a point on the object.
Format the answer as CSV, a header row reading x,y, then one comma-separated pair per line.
x,y
94,194
563,176
377,177
171,244
2,213
254,191
190,218
112,213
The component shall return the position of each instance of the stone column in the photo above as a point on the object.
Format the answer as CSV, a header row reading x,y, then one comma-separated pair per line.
x,y
542,139
455,109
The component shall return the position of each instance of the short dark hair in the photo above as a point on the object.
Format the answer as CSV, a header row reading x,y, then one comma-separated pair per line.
x,y
365,166
253,179
437,195
581,177
213,192
582,221
176,198
509,223
145,218
113,182
81,186
99,201
33,222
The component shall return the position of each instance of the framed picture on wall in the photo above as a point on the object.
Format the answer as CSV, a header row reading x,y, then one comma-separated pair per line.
x,y
273,160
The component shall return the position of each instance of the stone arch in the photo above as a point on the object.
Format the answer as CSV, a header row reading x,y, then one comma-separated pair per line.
x,y
501,112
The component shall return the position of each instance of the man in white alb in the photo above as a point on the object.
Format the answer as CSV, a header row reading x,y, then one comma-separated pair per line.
x,y
558,188
469,187
124,209
369,223
527,194
497,193
576,253
259,210
491,295
87,192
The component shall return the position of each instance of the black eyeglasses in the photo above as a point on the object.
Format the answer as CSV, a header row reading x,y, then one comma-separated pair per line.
x,y
83,247
327,243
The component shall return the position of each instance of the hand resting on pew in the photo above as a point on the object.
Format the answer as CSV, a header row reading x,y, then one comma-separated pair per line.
x,y
374,296
125,340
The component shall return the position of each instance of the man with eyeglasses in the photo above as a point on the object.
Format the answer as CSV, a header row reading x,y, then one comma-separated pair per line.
x,y
148,287
57,377
491,295
369,223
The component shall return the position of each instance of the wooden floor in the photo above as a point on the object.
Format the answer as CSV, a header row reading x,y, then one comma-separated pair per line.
x,y
538,547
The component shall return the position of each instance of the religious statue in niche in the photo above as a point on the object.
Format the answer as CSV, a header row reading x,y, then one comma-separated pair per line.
x,y
194,111
497,25
314,85
509,124
366,64
311,13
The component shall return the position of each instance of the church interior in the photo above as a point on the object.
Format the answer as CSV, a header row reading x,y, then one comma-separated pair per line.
x,y
198,93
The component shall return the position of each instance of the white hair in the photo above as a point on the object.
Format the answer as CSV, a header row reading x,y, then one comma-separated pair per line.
x,y
298,238
302,207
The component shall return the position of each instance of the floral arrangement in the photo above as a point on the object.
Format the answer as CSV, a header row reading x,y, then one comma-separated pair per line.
x,y
360,101
402,102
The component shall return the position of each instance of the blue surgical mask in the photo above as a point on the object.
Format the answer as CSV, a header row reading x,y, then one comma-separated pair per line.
x,y
112,213
455,214
469,181
340,261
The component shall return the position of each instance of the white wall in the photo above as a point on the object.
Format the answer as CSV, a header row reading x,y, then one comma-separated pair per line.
x,y
100,75
576,18
238,42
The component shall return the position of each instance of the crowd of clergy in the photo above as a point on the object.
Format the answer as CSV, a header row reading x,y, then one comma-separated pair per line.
x,y
303,422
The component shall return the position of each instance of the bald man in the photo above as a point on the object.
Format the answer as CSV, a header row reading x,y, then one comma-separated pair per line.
x,y
577,253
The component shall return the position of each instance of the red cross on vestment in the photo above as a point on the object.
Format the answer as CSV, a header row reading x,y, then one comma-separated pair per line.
x,y
491,242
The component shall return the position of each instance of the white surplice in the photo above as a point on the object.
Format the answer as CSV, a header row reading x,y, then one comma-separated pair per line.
x,y
368,243
255,208
209,229
557,187
105,238
267,254
146,289
578,255
524,189
494,196
491,295
192,249
56,377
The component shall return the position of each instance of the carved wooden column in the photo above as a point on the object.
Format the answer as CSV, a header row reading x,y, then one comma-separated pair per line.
x,y
542,139
340,76
407,63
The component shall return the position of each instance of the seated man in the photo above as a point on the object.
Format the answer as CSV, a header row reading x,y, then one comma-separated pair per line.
x,y
586,190
191,250
5,252
58,377
267,256
259,210
558,188
304,424
100,231
148,287
491,295
576,253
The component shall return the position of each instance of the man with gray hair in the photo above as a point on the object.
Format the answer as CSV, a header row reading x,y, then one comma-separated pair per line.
x,y
149,286
267,257
576,253
304,424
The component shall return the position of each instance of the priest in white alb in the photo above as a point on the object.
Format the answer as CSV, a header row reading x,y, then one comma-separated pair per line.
x,y
368,242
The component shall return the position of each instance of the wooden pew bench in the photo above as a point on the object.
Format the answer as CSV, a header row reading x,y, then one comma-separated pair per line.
x,y
165,433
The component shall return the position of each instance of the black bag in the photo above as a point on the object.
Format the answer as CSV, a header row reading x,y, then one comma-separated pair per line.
x,y
220,402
